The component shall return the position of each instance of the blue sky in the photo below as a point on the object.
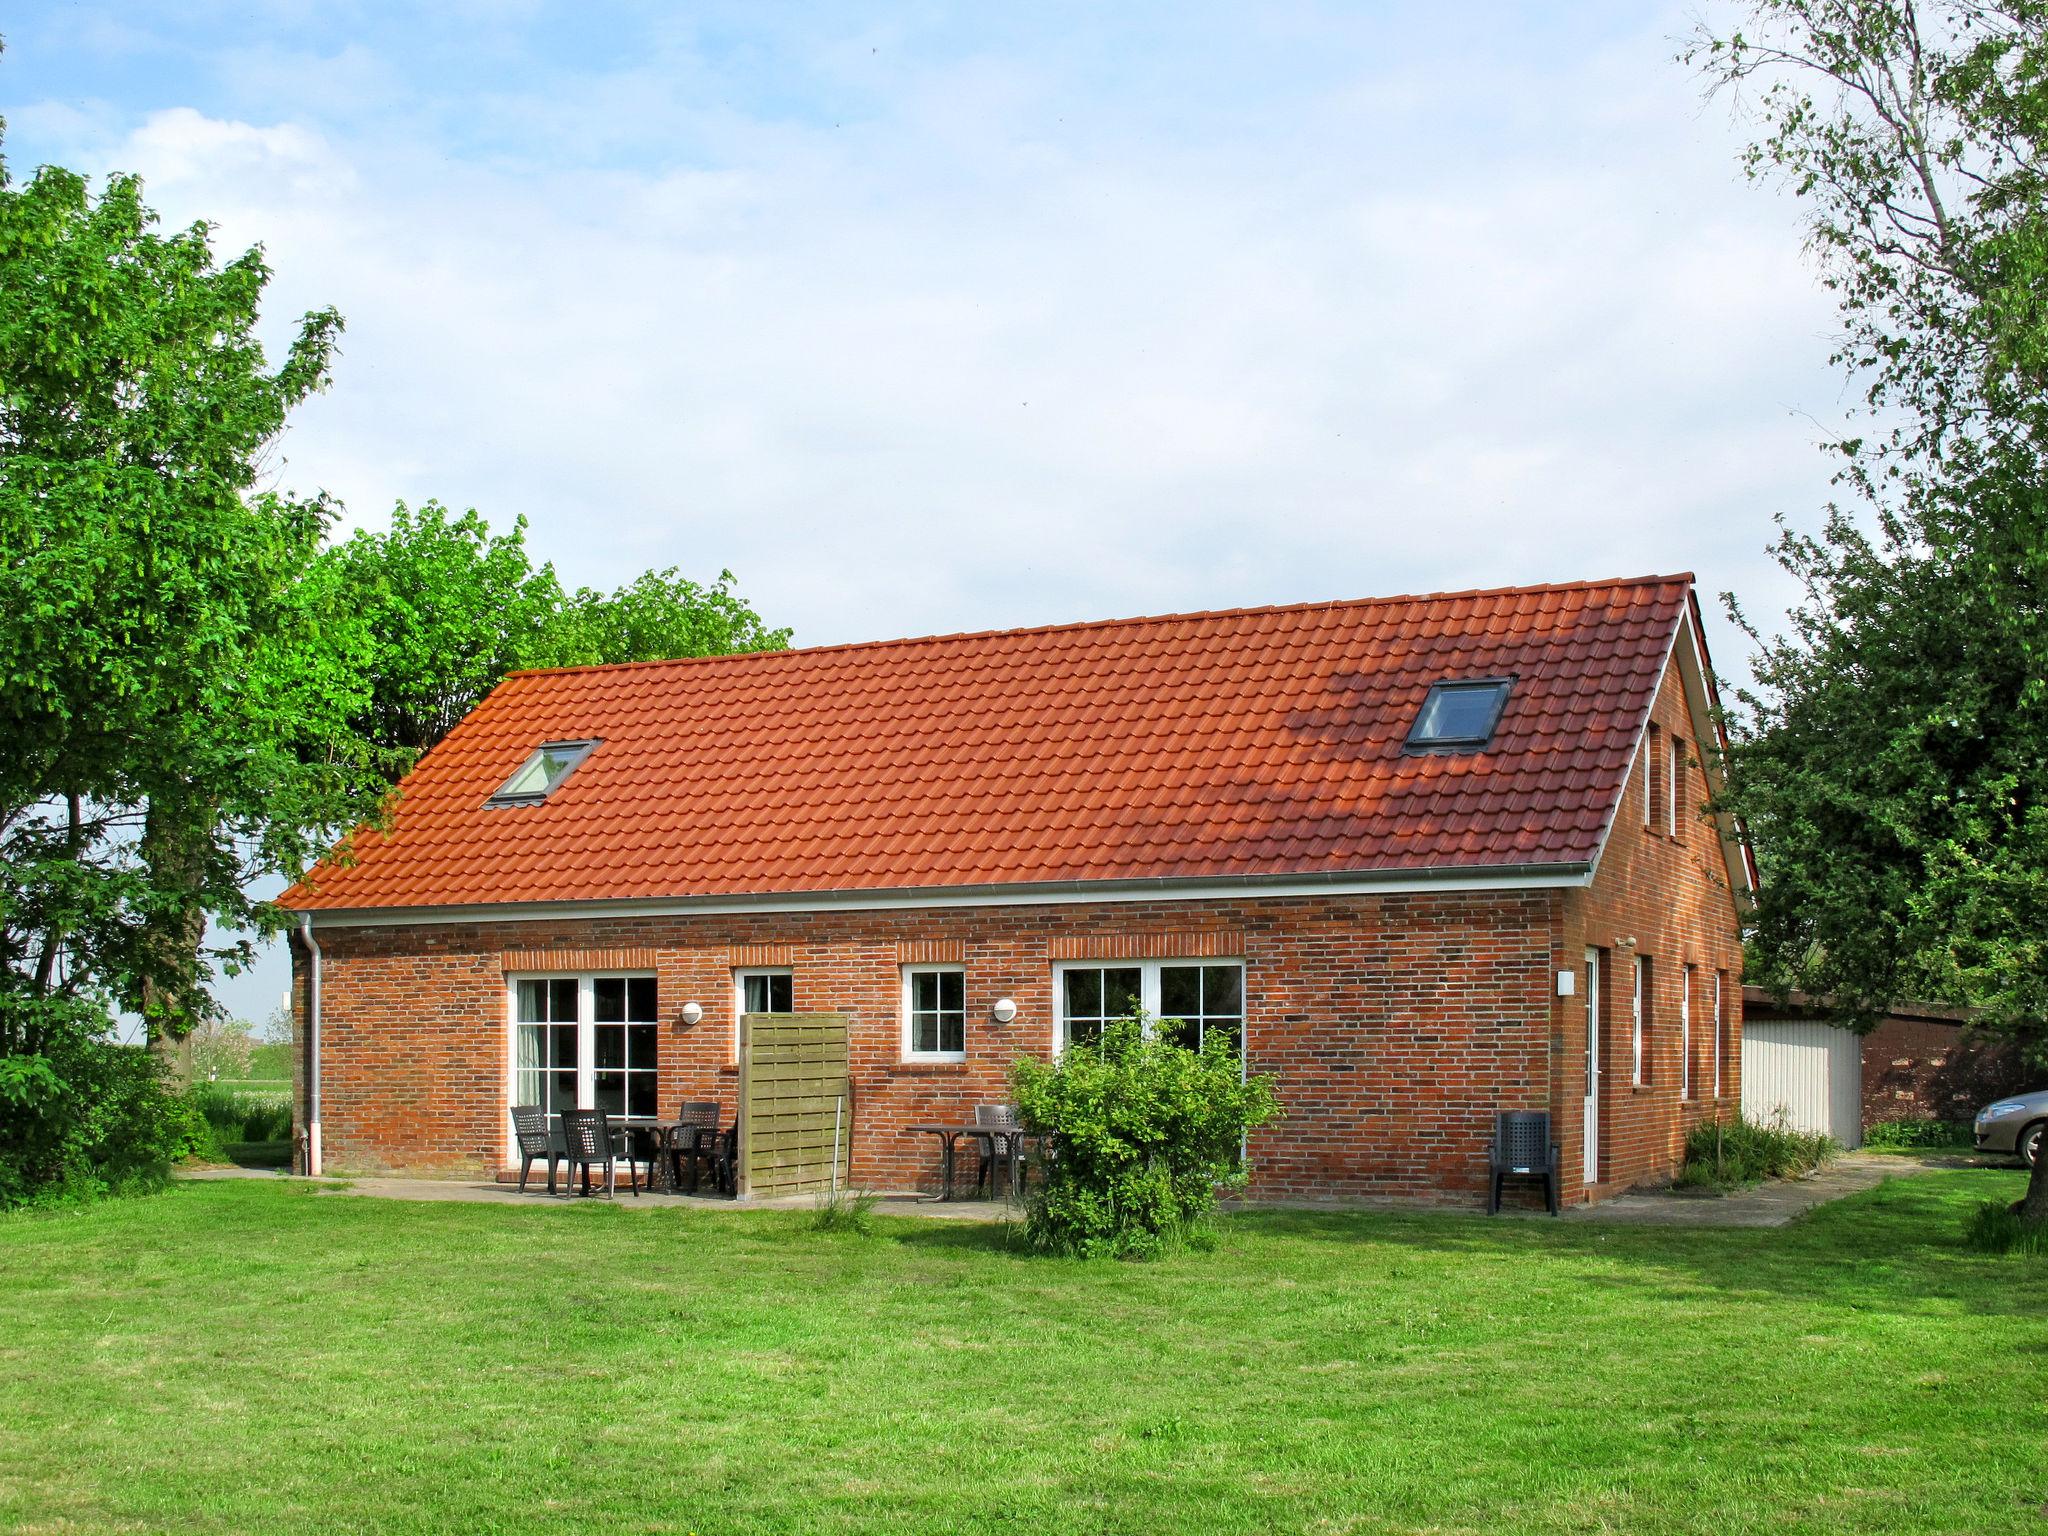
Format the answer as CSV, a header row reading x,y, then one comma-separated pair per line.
x,y
924,318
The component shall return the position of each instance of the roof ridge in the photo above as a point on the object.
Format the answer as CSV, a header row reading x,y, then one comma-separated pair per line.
x,y
1135,619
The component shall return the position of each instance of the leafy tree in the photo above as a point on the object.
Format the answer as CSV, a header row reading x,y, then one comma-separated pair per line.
x,y
221,1047
1892,761
450,608
176,699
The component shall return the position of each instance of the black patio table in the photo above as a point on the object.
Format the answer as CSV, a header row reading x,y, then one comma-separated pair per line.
x,y
949,1134
672,1139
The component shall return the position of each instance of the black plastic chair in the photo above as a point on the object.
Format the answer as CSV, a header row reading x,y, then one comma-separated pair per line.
x,y
1004,1150
1522,1148
699,1142
530,1125
587,1140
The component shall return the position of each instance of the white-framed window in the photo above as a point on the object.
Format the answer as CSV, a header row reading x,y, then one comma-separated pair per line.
x,y
1639,1074
765,990
934,1013
586,1041
1648,754
1674,751
1720,1030
1187,1000
1685,1033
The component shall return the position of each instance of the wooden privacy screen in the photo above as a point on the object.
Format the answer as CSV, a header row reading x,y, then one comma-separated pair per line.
x,y
794,1096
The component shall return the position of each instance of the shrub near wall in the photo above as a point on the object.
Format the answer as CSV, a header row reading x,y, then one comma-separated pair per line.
x,y
1146,1132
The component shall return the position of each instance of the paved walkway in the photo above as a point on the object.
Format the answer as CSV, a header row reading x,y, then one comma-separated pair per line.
x,y
480,1192
1770,1205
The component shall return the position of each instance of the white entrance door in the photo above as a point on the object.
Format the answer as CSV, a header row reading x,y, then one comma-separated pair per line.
x,y
1592,1112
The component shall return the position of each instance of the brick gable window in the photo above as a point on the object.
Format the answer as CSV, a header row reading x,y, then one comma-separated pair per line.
x,y
1187,1000
1720,1032
1640,1075
1685,1033
1674,749
1649,757
934,1013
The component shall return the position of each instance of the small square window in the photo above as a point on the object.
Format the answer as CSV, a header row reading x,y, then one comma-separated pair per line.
x,y
1460,715
935,1008
541,774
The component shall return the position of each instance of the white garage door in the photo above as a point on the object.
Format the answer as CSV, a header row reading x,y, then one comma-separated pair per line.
x,y
1812,1073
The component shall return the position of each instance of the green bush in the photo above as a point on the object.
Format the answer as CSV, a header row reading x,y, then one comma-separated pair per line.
x,y
86,1117
1728,1154
1146,1134
1996,1228
1919,1135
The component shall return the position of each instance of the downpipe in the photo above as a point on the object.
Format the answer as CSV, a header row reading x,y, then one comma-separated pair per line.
x,y
312,1045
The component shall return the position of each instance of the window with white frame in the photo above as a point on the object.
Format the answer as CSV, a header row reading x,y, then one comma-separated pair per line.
x,y
1640,1073
1189,1000
1675,754
934,1013
760,991
587,1041
1648,754
1685,1033
1720,1030
1199,1002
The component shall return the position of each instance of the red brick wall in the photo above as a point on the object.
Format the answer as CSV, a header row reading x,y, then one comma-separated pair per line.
x,y
1394,1025
1934,1069
1670,895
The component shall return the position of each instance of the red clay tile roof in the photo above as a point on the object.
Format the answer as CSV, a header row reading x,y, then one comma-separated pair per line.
x,y
1257,742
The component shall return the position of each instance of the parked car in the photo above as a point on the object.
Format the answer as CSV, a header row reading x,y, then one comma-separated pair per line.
x,y
2014,1125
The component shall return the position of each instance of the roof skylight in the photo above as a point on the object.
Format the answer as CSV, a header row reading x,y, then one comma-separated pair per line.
x,y
1459,716
541,774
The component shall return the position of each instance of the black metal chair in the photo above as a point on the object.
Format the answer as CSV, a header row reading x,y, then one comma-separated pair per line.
x,y
1004,1149
588,1140
530,1125
699,1142
1522,1148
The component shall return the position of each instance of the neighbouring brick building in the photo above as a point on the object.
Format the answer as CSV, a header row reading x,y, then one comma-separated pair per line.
x,y
1421,858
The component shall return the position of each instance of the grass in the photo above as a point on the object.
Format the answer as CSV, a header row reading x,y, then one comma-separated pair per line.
x,y
250,1356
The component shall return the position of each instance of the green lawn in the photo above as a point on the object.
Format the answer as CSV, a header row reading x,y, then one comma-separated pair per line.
x,y
246,1356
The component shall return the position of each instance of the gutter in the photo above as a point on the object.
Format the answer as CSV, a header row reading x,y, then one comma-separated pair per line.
x,y
1153,888
312,1046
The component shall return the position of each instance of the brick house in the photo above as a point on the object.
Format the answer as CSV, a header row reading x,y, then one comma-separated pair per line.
x,y
1422,858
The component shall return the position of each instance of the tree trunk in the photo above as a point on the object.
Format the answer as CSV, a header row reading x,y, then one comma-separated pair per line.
x,y
2034,1204
175,836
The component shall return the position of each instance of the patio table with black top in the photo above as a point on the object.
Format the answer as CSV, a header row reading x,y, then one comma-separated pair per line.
x,y
673,1140
949,1134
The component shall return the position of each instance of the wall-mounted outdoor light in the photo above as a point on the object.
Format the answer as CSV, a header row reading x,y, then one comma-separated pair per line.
x,y
692,1012
1004,1010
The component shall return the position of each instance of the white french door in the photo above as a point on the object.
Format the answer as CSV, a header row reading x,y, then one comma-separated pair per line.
x,y
585,1042
1591,1172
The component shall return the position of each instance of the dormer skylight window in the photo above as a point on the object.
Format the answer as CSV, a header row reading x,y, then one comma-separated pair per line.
x,y
541,774
1459,716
